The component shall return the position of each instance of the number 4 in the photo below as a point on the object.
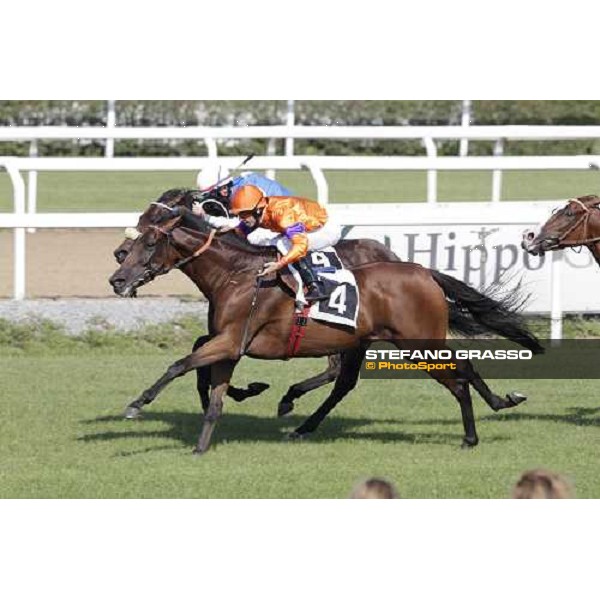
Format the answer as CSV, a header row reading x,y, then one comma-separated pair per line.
x,y
338,299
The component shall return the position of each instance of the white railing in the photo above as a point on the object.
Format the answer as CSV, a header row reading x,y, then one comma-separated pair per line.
x,y
315,164
379,132
429,135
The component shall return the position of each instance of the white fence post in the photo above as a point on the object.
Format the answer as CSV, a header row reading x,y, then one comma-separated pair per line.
x,y
319,179
431,173
271,152
465,121
211,146
32,184
111,121
497,174
18,186
290,120
556,323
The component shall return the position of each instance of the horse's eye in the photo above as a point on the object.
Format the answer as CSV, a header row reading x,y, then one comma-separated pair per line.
x,y
150,244
120,256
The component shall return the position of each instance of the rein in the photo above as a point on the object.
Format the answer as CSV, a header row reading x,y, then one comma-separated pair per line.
x,y
244,343
196,252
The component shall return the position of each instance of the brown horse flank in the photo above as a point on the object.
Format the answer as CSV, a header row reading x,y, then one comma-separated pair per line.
x,y
398,301
576,224
351,252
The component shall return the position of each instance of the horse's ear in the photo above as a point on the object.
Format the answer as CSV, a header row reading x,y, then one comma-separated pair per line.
x,y
131,233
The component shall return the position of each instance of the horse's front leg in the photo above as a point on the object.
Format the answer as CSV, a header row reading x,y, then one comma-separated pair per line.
x,y
215,350
203,375
220,376
203,382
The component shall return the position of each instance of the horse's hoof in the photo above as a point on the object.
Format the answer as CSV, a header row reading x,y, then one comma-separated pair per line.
x,y
256,387
295,436
284,408
515,398
198,452
132,412
468,444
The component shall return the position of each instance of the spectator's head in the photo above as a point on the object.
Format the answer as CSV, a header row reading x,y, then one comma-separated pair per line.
x,y
374,489
542,484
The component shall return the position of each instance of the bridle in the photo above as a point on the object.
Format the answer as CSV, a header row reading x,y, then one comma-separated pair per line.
x,y
168,233
585,217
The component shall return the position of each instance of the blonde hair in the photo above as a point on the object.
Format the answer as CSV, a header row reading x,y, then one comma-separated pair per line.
x,y
374,489
542,484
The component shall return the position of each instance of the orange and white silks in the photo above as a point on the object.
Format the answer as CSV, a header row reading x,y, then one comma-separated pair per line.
x,y
294,217
303,223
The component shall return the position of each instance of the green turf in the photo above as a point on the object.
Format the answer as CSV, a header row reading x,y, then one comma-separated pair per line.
x,y
87,191
61,402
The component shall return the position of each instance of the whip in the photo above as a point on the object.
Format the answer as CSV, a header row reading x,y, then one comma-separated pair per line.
x,y
224,179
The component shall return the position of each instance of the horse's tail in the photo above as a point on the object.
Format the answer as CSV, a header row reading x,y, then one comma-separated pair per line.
x,y
473,313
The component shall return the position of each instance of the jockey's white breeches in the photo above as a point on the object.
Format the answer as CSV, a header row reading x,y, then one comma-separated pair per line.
x,y
328,235
263,237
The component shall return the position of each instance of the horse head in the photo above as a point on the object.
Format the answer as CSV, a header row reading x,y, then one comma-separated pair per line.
x,y
157,251
576,224
172,203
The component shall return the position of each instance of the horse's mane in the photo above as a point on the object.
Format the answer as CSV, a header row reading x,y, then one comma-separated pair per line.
x,y
185,197
232,239
174,194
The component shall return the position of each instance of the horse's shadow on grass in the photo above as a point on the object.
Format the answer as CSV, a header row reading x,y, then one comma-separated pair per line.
x,y
184,428
577,415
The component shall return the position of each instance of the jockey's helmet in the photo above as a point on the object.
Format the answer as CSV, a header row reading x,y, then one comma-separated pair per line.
x,y
211,174
247,198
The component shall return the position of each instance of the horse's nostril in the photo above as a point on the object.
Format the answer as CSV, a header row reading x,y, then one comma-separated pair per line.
x,y
530,235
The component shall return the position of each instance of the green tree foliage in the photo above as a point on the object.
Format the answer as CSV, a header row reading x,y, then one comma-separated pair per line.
x,y
187,113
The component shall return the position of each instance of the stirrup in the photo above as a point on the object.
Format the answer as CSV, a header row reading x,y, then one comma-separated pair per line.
x,y
316,295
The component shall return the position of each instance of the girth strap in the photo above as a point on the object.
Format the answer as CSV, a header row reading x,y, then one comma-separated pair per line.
x,y
298,330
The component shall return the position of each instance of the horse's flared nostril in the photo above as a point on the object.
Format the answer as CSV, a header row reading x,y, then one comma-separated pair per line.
x,y
116,283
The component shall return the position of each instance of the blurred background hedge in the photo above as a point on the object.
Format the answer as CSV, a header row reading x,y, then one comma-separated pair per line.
x,y
139,113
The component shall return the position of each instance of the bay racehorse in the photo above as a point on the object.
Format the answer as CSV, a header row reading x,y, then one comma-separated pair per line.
x,y
352,253
398,301
576,224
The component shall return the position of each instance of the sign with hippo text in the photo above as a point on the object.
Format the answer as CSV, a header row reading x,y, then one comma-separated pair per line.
x,y
490,253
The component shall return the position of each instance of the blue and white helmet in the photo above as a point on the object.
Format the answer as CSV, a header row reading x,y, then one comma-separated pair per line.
x,y
210,174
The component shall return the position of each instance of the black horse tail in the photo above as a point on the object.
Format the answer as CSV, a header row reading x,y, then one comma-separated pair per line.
x,y
474,313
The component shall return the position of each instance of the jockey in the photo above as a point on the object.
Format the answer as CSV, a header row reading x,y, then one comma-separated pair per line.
x,y
302,225
214,181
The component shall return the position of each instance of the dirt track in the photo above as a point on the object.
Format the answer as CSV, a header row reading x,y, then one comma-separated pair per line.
x,y
65,263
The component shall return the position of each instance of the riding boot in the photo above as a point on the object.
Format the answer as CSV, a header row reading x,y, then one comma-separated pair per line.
x,y
315,287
